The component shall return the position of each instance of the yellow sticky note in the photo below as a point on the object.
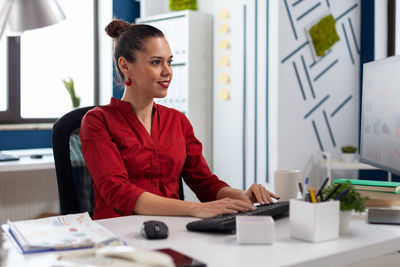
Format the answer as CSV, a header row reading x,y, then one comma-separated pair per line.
x,y
224,28
224,44
224,95
224,13
224,61
224,78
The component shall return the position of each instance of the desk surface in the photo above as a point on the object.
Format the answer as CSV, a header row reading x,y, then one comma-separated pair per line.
x,y
365,242
25,162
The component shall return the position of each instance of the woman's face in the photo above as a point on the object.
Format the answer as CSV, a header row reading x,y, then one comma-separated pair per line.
x,y
151,74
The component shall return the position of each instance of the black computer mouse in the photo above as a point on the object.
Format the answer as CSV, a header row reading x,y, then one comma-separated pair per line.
x,y
154,230
36,156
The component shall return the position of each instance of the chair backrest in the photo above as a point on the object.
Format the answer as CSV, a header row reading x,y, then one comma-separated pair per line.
x,y
61,135
67,186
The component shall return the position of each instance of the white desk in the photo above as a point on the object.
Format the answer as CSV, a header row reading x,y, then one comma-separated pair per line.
x,y
25,162
365,242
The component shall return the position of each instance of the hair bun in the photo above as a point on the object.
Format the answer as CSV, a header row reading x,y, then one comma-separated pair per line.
x,y
116,27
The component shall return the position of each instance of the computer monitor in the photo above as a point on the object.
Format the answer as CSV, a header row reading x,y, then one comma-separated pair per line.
x,y
380,115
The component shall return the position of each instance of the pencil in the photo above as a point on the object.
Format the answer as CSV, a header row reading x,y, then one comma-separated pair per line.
x,y
322,187
300,188
312,195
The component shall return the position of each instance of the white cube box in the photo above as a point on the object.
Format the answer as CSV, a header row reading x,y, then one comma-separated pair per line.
x,y
314,221
255,229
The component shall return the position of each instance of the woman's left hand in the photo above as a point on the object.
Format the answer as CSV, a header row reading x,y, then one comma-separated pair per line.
x,y
259,194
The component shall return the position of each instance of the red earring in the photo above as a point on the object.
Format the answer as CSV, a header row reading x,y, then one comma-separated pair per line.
x,y
128,82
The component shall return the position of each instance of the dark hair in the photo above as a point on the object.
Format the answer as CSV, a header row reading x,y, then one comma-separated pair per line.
x,y
128,39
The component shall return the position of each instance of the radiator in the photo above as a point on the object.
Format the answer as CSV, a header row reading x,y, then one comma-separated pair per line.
x,y
28,194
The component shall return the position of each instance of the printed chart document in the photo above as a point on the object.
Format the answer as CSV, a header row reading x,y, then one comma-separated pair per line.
x,y
57,233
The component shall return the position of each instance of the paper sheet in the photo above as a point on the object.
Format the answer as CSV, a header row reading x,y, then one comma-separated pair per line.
x,y
224,78
224,44
224,13
224,28
224,61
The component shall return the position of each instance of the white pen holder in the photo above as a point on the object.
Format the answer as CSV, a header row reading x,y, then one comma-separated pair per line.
x,y
314,222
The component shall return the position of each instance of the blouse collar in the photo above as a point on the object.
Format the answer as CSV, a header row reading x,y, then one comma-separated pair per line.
x,y
125,105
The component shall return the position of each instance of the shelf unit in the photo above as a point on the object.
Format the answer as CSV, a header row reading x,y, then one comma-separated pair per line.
x,y
189,34
326,160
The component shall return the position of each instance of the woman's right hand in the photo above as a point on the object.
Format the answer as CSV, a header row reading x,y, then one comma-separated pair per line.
x,y
221,206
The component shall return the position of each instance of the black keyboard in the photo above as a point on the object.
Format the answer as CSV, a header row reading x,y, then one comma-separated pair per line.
x,y
227,223
7,157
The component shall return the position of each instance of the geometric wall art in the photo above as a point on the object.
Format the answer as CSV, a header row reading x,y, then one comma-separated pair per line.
x,y
310,82
323,90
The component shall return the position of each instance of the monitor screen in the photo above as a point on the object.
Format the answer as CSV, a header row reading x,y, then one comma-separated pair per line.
x,y
380,114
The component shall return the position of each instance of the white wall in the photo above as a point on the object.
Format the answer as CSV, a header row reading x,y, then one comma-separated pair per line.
x,y
273,132
298,134
235,149
292,139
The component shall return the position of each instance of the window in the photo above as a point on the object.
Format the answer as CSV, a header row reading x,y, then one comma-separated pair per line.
x,y
54,53
47,56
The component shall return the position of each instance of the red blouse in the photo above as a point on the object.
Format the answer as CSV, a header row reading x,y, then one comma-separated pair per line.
x,y
125,161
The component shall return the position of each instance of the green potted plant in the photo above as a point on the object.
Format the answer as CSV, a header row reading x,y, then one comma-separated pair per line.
x,y
348,153
349,203
69,85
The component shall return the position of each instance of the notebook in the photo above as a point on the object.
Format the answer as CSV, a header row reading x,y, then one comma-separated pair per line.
x,y
57,233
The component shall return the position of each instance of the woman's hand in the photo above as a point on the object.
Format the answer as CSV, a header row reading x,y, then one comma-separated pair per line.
x,y
221,206
259,194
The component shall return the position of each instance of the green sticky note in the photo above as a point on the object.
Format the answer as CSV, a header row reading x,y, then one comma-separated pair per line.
x,y
324,35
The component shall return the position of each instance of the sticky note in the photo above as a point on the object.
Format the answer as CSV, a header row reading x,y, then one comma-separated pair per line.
x,y
224,61
224,78
224,44
224,13
224,28
224,95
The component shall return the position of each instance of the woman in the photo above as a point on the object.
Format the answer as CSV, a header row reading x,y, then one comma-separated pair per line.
x,y
136,150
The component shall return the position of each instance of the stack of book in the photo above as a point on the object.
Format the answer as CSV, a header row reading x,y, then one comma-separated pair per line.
x,y
379,193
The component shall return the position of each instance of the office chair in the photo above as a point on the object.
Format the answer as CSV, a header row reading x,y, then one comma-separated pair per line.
x,y
74,183
72,198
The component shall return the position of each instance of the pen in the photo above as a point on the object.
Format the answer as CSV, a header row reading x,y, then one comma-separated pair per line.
x,y
312,195
322,187
305,189
342,194
333,192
